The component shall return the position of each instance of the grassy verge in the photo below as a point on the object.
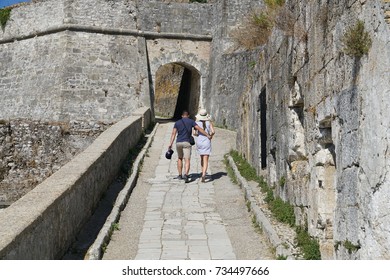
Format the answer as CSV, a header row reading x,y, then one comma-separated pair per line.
x,y
309,246
281,210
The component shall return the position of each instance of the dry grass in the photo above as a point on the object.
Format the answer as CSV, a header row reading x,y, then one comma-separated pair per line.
x,y
257,27
254,31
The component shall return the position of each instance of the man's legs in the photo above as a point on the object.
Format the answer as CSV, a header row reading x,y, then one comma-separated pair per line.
x,y
179,149
179,166
187,159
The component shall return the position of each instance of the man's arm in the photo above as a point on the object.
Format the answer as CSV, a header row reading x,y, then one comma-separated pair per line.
x,y
197,127
173,135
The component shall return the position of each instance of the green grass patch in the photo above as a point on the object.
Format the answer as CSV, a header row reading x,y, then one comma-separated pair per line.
x,y
230,171
4,16
256,225
115,226
283,211
281,257
246,170
351,247
309,245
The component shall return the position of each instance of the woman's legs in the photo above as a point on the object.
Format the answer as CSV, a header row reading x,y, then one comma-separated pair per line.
x,y
204,163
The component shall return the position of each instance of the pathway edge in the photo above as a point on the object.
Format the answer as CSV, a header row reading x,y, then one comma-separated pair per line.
x,y
95,251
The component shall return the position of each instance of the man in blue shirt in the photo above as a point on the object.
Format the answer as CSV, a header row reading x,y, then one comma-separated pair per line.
x,y
183,129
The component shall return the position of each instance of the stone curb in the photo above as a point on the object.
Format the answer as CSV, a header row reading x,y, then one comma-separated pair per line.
x,y
95,250
263,221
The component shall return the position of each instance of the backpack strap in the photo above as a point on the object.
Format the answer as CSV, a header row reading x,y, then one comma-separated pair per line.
x,y
188,131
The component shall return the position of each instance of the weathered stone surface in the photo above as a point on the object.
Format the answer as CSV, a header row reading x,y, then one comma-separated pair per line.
x,y
168,80
31,151
326,118
326,113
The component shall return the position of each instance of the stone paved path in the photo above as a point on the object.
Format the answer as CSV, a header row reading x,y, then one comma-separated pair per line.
x,y
169,219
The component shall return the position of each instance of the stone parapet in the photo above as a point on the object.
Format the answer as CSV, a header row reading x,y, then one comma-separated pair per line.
x,y
43,223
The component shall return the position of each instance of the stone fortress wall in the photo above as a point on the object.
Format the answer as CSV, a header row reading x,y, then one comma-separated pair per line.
x,y
80,66
325,132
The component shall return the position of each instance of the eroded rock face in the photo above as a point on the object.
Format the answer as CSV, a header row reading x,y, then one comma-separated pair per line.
x,y
327,122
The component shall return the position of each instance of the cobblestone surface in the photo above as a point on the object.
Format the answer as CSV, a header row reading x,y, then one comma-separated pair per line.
x,y
169,219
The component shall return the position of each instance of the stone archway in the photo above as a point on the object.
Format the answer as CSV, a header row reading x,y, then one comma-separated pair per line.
x,y
177,88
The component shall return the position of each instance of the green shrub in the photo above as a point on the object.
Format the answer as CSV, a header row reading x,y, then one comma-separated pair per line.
x,y
263,21
283,211
198,1
4,16
282,181
309,245
351,247
357,42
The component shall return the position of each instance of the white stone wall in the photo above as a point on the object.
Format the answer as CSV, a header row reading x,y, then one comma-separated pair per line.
x,y
332,146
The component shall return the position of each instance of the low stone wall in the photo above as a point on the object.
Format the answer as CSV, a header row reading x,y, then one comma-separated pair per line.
x,y
44,222
32,150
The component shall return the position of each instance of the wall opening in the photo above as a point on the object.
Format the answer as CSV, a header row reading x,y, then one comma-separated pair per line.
x,y
177,88
263,127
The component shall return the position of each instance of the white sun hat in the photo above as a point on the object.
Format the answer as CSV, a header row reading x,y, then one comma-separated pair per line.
x,y
202,115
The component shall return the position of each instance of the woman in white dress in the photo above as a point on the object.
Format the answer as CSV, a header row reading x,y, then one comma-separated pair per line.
x,y
203,144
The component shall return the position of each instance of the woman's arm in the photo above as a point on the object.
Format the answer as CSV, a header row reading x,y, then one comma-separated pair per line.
x,y
212,130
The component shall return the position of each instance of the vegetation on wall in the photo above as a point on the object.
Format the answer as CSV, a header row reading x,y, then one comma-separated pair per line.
x,y
357,42
348,245
198,1
309,246
256,29
4,16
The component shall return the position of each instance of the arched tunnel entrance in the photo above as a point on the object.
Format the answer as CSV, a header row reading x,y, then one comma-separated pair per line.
x,y
177,88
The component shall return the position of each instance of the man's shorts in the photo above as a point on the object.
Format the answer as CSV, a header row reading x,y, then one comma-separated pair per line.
x,y
183,150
